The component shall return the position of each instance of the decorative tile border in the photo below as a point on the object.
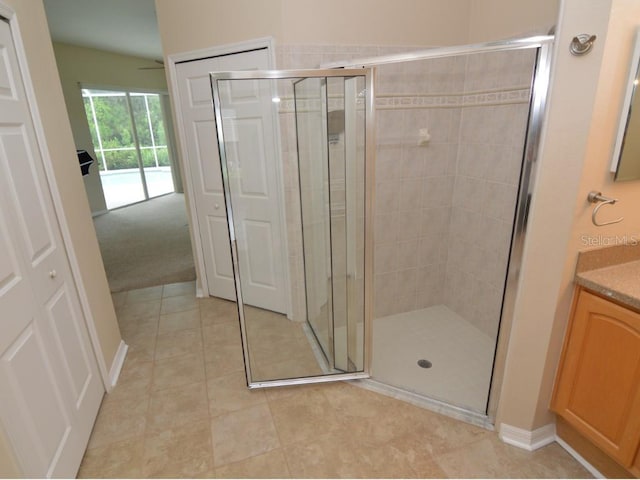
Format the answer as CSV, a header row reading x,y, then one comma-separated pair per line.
x,y
287,104
460,100
510,96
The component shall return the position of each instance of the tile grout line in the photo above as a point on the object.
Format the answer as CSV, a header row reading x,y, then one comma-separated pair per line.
x,y
152,391
284,455
206,383
148,411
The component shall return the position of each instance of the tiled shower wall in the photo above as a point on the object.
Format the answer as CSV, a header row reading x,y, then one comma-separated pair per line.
x,y
414,182
444,209
492,135
293,57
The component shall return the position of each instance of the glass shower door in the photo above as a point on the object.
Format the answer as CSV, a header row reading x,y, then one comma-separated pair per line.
x,y
313,170
315,122
330,146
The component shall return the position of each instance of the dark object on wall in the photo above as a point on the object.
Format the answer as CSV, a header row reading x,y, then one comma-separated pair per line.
x,y
85,161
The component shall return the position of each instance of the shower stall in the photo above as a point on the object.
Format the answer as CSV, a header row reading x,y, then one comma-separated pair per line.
x,y
405,209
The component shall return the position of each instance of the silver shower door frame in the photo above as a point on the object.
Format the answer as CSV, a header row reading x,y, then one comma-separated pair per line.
x,y
369,160
540,87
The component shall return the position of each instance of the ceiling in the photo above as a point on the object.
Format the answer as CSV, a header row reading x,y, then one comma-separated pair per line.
x,y
123,26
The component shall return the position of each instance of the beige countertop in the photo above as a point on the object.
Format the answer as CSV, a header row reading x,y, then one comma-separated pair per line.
x,y
620,282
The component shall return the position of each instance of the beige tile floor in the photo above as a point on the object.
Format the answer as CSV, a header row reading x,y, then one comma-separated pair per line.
x,y
278,347
181,409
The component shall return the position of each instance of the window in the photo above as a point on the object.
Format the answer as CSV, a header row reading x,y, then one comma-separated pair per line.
x,y
129,138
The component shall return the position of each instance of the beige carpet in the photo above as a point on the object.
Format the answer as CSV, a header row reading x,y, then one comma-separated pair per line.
x,y
146,244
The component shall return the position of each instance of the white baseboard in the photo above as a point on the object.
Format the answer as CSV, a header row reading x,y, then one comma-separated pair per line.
x,y
528,439
118,362
532,440
579,458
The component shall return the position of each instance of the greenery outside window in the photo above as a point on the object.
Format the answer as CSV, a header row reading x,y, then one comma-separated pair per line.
x,y
129,138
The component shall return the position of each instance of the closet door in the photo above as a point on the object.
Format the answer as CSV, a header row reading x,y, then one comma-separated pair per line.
x,y
50,387
265,222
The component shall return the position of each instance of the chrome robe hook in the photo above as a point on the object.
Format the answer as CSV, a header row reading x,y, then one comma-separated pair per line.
x,y
601,200
582,44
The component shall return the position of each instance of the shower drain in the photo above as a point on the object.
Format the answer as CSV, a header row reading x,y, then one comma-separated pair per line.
x,y
424,363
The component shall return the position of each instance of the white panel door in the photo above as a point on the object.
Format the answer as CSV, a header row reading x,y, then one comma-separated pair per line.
x,y
50,387
263,276
250,146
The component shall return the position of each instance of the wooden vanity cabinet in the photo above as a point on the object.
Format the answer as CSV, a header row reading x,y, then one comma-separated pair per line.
x,y
597,390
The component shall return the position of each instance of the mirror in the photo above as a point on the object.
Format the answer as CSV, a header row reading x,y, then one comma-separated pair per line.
x,y
302,318
626,156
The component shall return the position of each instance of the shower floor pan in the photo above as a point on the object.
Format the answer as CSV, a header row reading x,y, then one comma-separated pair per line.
x,y
461,356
